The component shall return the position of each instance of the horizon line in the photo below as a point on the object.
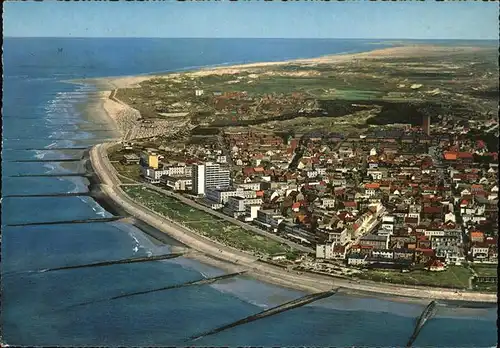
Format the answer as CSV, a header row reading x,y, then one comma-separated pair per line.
x,y
242,38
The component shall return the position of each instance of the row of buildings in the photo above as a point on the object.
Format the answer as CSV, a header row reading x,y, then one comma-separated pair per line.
x,y
393,198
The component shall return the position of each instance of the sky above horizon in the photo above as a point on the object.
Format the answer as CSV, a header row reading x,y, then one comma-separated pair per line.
x,y
469,20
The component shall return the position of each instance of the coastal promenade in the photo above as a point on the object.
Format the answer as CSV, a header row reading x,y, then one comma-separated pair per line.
x,y
242,224
211,252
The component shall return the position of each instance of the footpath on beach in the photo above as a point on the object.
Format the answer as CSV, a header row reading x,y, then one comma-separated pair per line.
x,y
211,252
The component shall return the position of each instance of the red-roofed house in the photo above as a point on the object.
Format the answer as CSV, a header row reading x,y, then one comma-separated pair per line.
x,y
371,189
296,206
465,156
432,210
248,171
476,236
435,266
450,156
423,255
350,205
476,187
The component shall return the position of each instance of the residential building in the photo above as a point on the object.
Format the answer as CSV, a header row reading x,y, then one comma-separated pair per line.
x,y
378,242
269,219
339,236
150,159
479,251
152,175
356,259
209,175
130,159
383,253
222,195
236,206
330,251
177,183
387,226
198,179
178,170
251,211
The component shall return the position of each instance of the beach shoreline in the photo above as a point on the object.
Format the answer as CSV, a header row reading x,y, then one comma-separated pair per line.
x,y
401,50
209,252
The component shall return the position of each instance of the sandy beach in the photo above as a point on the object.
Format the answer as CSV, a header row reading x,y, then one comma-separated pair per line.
x,y
127,121
230,259
402,51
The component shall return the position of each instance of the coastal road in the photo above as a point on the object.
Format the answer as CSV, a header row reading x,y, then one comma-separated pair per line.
x,y
207,210
242,224
212,252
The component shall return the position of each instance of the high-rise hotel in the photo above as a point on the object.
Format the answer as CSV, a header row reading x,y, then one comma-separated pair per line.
x,y
209,175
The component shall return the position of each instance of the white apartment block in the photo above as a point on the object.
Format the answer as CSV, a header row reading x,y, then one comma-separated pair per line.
x,y
151,175
251,211
178,170
254,186
222,195
177,183
209,175
198,179
330,251
236,206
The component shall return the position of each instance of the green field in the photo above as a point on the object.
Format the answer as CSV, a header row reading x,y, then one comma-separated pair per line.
x,y
485,270
132,171
452,277
204,223
345,94
486,287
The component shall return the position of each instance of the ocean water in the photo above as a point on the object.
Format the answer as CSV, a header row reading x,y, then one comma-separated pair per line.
x,y
42,112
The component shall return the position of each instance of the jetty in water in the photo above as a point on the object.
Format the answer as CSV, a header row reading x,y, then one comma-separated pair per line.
x,y
203,281
44,195
83,221
50,175
116,262
47,160
299,302
49,149
427,314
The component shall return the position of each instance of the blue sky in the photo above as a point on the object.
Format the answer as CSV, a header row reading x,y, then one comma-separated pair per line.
x,y
356,19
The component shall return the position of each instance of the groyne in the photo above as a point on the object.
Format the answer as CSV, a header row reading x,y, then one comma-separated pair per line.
x,y
62,175
50,149
46,160
302,301
427,314
81,221
67,194
204,281
116,262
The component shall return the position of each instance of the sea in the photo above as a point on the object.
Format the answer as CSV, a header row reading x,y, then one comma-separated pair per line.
x,y
44,116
